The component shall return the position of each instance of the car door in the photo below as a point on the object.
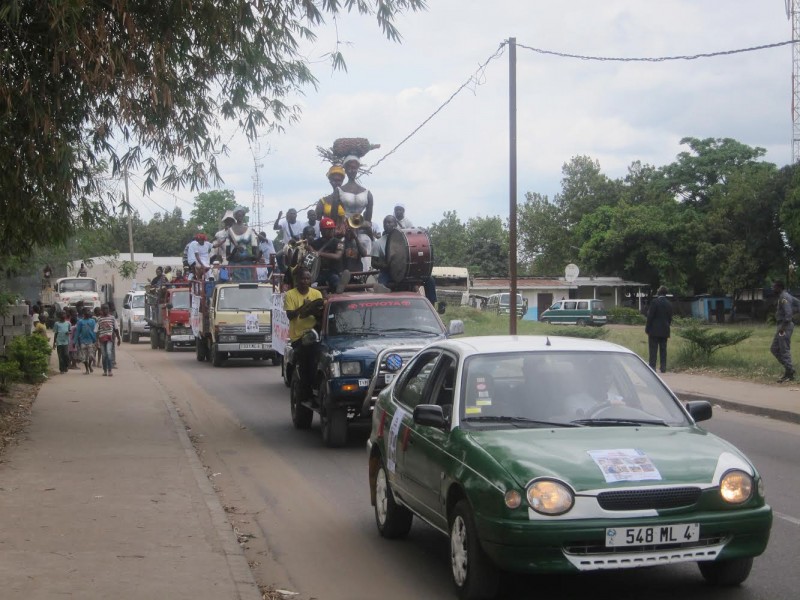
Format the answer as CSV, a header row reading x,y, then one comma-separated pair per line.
x,y
426,455
409,391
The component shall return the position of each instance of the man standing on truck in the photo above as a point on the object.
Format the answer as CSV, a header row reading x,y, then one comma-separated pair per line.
x,y
302,304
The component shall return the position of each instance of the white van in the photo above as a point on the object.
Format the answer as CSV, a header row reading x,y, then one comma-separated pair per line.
x,y
132,320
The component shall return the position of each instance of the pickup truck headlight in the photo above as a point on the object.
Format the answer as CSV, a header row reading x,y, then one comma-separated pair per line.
x,y
351,368
227,338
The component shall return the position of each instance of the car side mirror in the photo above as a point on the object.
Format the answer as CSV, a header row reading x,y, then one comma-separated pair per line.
x,y
126,306
431,415
700,410
456,327
169,306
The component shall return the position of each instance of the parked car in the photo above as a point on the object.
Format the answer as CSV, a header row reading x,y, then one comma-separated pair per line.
x,y
554,454
576,312
501,304
132,320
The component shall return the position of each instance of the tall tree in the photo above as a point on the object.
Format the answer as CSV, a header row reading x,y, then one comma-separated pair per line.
x,y
209,207
449,241
584,189
487,244
544,238
81,78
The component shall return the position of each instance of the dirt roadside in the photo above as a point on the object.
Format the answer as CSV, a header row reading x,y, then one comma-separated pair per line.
x,y
15,412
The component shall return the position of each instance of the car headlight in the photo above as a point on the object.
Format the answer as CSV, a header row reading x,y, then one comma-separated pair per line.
x,y
550,497
227,338
736,487
351,368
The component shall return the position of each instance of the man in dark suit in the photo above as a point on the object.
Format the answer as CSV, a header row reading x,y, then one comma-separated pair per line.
x,y
659,319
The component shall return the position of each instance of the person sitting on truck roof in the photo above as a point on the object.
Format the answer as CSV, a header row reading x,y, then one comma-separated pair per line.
x,y
220,244
330,250
302,304
199,253
243,247
159,279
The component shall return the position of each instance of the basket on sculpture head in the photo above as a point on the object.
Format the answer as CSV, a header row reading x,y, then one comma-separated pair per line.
x,y
343,147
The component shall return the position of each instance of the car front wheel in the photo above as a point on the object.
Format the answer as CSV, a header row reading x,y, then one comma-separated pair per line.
x,y
301,414
726,572
473,573
393,520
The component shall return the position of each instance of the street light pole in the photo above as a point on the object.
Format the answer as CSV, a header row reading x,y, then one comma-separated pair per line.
x,y
512,200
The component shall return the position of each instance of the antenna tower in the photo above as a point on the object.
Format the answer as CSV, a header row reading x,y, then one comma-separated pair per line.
x,y
257,197
793,14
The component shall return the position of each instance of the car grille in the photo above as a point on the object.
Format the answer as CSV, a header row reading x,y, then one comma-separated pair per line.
x,y
590,548
648,499
239,330
251,338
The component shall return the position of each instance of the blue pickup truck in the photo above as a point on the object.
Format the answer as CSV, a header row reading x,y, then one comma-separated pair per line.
x,y
365,339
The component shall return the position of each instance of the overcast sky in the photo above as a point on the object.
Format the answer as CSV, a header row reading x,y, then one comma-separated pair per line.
x,y
615,112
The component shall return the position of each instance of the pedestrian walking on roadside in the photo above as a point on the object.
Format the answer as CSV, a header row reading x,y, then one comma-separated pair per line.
x,y
73,342
106,330
659,319
61,341
86,340
781,347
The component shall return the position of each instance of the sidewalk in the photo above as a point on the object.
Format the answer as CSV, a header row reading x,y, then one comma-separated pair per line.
x,y
777,401
105,498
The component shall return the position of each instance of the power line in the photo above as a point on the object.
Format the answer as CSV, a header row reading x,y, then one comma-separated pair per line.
x,y
656,58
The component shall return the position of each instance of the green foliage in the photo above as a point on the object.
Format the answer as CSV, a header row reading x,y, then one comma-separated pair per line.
x,y
591,333
84,78
31,353
9,373
625,316
209,207
704,341
128,269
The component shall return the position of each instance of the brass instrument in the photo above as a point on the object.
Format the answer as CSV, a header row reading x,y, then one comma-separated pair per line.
x,y
357,221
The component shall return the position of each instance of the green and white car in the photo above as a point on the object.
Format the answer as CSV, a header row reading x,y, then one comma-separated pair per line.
x,y
554,454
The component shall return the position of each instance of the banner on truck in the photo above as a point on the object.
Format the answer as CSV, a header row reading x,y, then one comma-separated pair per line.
x,y
194,314
280,324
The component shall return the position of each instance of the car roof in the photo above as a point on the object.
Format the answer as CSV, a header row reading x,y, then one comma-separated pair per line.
x,y
370,296
502,344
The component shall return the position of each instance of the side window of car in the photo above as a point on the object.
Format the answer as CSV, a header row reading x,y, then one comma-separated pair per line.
x,y
415,379
556,306
583,305
569,305
444,383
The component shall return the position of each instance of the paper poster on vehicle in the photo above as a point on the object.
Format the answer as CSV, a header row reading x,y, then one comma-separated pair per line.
x,y
280,324
625,464
251,323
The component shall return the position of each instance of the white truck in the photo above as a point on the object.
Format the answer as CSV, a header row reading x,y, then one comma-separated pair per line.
x,y
133,323
69,291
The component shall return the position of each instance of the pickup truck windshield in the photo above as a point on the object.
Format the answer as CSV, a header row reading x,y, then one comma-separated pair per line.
x,y
383,316
137,302
180,299
77,285
235,298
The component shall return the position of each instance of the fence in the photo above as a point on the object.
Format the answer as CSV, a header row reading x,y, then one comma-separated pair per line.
x,y
16,322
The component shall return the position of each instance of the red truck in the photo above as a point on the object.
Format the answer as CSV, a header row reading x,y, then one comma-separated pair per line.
x,y
167,312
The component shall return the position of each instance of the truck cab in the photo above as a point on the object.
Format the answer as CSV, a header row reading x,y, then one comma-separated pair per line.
x,y
167,310
232,320
365,339
69,291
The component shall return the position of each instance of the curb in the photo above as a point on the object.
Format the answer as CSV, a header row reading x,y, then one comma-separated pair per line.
x,y
761,411
241,575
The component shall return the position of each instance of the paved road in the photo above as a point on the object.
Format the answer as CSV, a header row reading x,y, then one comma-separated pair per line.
x,y
308,511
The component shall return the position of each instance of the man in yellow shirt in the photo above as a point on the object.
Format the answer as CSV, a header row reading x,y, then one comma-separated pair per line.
x,y
302,304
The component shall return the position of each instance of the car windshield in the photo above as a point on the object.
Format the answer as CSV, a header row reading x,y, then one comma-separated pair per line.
x,y
244,298
598,305
137,301
180,299
383,317
591,389
77,285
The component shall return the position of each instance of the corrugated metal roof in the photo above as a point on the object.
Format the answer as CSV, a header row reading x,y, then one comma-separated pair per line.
x,y
453,272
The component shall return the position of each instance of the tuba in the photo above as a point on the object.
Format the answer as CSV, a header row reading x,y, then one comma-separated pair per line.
x,y
356,221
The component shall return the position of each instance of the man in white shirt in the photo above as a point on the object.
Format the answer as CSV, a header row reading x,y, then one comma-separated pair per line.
x,y
265,246
199,254
400,215
312,222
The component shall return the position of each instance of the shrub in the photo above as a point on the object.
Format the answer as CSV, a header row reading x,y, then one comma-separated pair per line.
x,y
32,355
625,316
592,333
9,373
704,341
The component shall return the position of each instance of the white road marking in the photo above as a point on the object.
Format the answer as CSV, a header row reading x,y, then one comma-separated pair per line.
x,y
792,520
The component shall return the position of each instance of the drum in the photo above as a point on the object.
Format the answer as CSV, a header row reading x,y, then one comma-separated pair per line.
x,y
312,262
409,255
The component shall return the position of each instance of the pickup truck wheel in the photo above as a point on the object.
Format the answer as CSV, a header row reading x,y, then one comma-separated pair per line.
x,y
170,345
134,337
200,349
126,334
393,520
301,415
216,356
162,339
473,573
333,421
153,339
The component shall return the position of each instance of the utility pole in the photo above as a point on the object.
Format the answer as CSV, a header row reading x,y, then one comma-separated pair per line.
x,y
793,14
130,216
512,200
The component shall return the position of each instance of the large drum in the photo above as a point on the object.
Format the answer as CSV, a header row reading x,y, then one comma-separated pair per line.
x,y
409,255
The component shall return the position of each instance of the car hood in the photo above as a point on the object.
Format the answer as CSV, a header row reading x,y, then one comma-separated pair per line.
x,y
363,347
680,454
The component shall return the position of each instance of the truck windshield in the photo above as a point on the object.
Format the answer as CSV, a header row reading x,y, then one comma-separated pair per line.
x,y
235,298
383,316
77,285
180,299
137,301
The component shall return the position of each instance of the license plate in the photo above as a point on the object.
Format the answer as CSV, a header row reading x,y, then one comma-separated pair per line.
x,y
363,383
645,536
251,346
388,378
182,338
